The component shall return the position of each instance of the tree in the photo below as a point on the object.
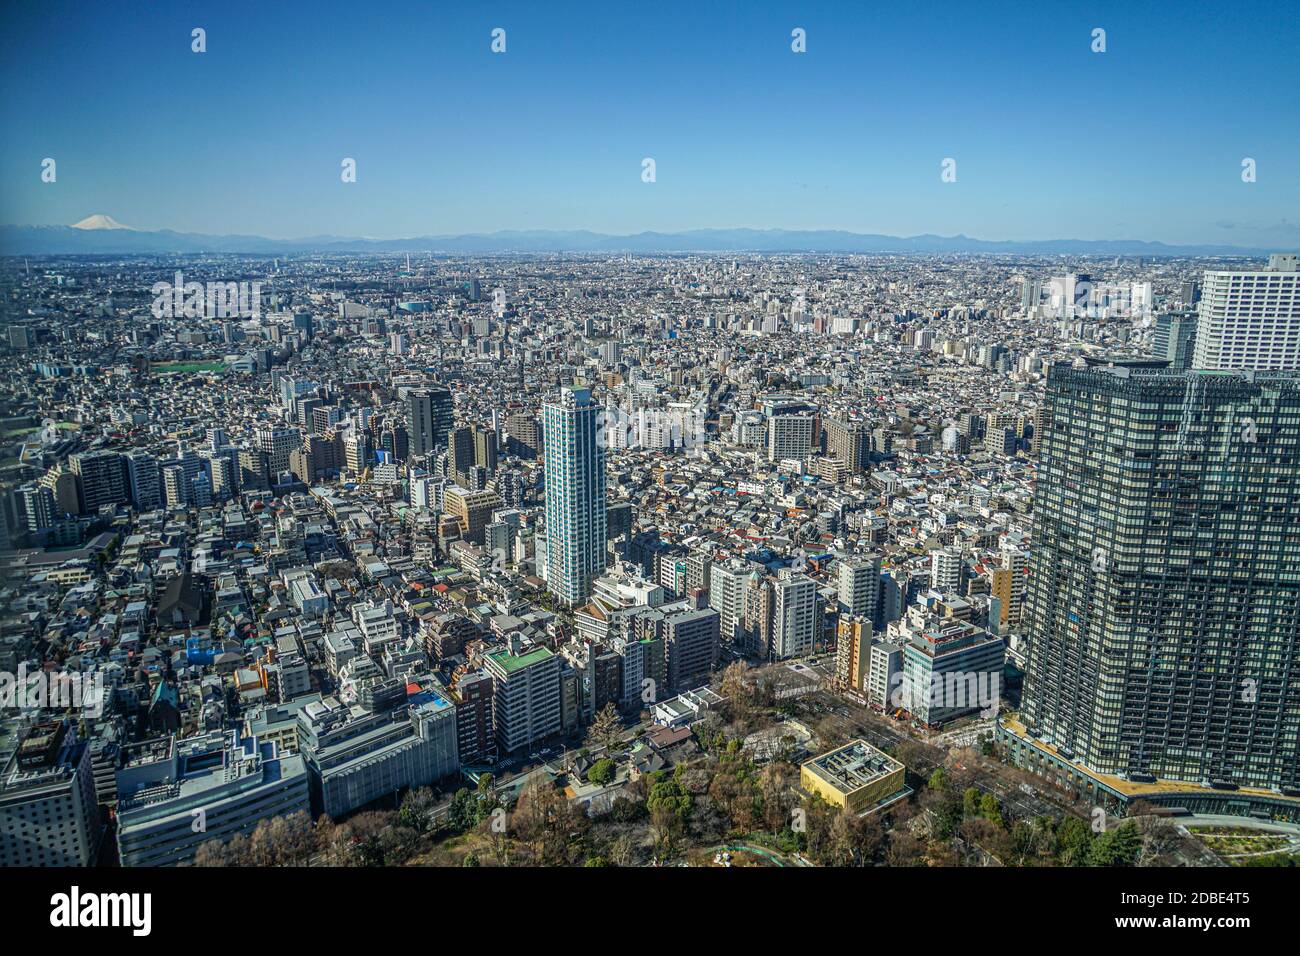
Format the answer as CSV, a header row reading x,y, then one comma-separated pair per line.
x,y
839,840
670,795
670,807
991,810
1073,840
708,731
1117,847
417,810
366,834
948,814
396,844
602,772
1024,842
1159,840
775,786
911,754
281,841
212,853
622,851
738,689
938,779
606,728
904,849
275,841
545,820
818,818
463,813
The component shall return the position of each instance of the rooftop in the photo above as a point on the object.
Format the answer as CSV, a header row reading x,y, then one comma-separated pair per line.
x,y
853,766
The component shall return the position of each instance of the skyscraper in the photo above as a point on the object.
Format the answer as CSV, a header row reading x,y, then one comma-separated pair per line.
x,y
1250,319
575,494
1174,338
1164,595
428,418
460,452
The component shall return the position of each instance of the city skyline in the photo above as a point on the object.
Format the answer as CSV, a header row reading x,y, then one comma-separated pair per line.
x,y
449,137
638,438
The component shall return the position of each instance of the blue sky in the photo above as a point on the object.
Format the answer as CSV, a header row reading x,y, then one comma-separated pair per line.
x,y
1051,140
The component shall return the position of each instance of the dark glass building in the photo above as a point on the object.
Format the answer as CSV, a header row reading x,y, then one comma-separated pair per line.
x,y
1164,593
429,416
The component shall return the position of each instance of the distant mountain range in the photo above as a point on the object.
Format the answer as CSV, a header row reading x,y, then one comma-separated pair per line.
x,y
103,235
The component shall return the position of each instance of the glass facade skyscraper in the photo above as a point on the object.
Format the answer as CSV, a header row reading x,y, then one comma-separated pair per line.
x,y
575,494
429,417
1164,592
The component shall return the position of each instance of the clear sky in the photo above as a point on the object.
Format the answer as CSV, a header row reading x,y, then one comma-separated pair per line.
x,y
1051,140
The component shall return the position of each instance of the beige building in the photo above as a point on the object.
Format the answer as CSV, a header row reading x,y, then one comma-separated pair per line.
x,y
471,509
856,777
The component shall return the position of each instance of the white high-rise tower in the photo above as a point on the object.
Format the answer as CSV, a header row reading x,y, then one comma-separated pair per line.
x,y
575,494
1250,320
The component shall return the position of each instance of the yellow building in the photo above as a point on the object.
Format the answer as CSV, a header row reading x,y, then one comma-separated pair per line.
x,y
856,777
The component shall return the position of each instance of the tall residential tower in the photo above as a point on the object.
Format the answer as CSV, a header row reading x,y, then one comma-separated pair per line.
x,y
1250,319
575,494
1164,594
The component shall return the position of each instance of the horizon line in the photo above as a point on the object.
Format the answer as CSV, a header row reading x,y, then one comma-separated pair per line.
x,y
456,234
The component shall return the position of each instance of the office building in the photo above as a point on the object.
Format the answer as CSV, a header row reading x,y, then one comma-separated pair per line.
x,y
729,582
175,795
884,677
49,813
386,742
691,644
947,570
790,436
796,616
472,510
102,479
849,442
1174,338
429,415
276,443
144,481
951,668
852,654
